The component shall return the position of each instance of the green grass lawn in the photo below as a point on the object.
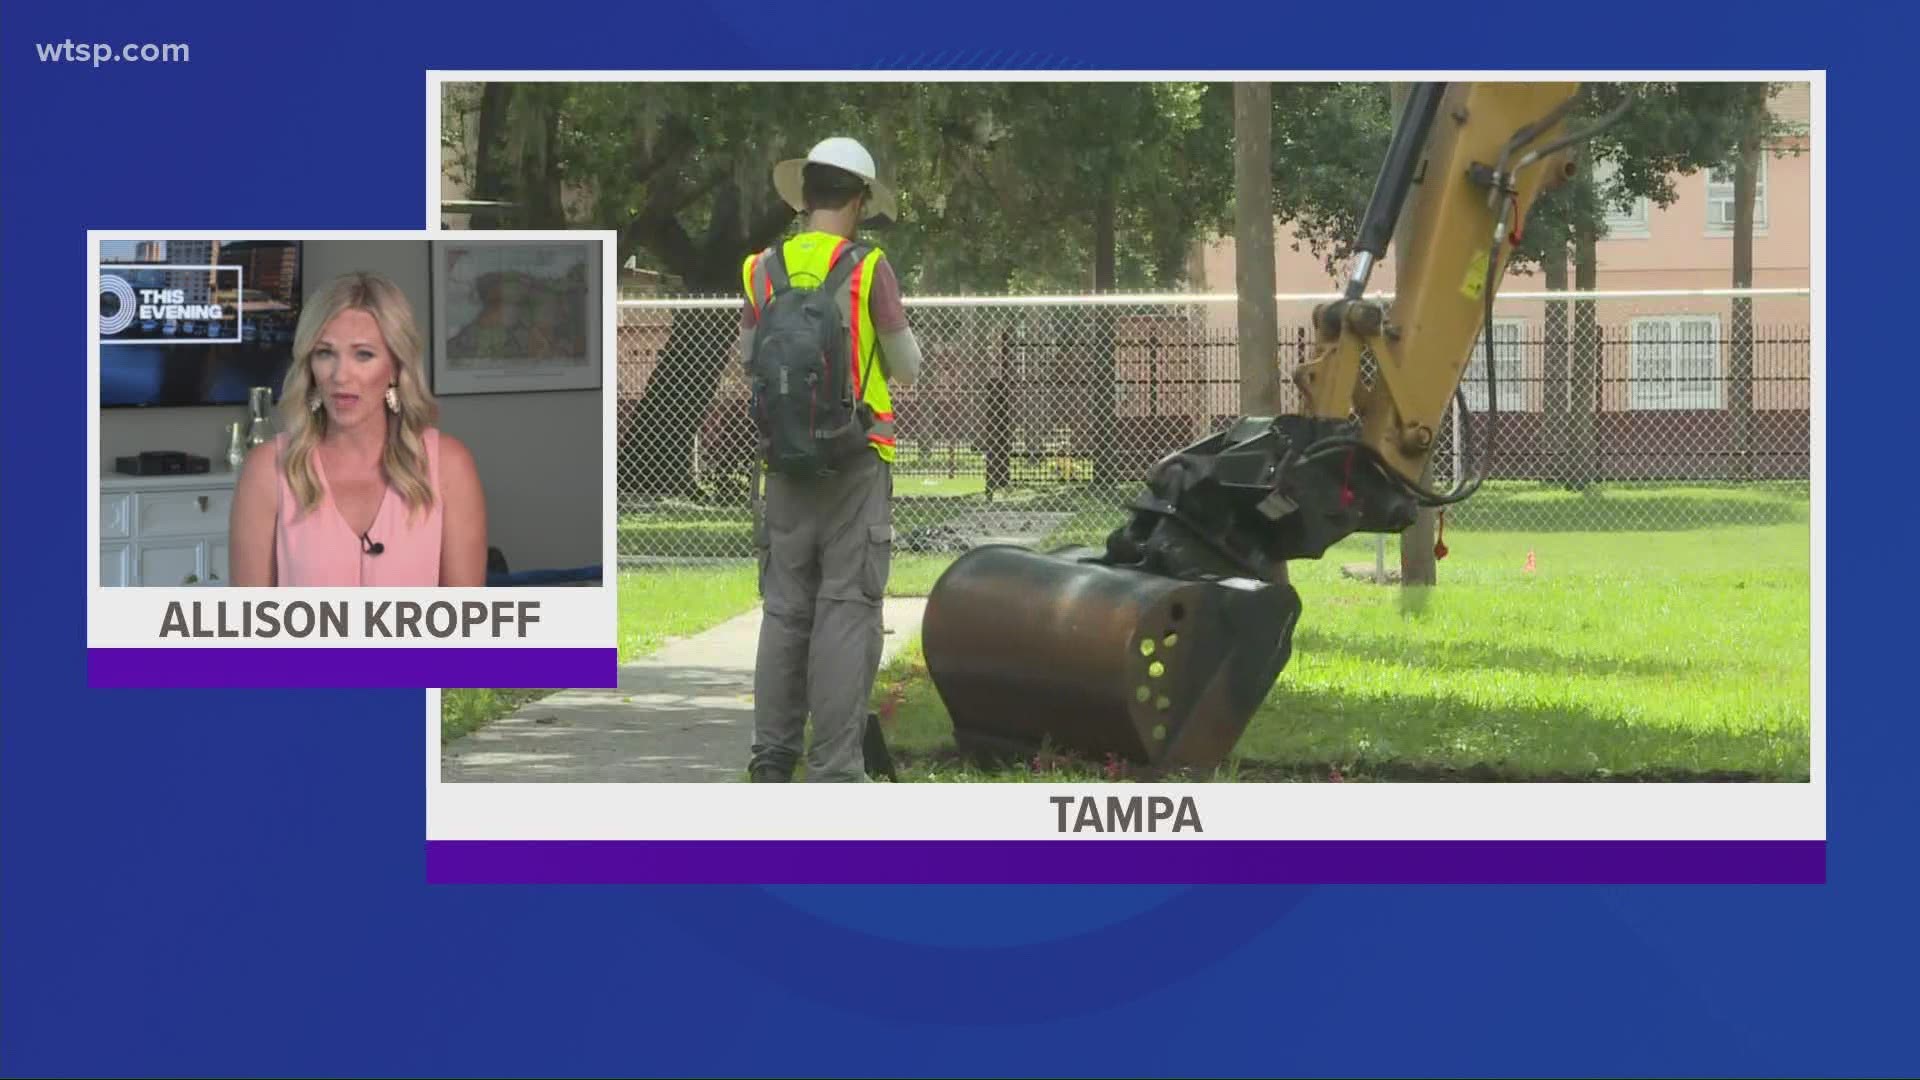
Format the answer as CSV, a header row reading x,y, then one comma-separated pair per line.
x,y
1677,654
669,602
463,711
1675,650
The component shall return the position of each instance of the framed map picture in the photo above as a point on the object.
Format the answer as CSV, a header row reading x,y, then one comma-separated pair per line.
x,y
511,316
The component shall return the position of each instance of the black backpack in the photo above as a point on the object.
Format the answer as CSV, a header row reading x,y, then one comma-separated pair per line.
x,y
803,406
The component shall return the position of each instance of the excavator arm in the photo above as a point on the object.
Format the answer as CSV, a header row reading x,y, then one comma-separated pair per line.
x,y
1159,648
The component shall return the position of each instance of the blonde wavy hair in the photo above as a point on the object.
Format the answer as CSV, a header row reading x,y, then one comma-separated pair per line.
x,y
405,457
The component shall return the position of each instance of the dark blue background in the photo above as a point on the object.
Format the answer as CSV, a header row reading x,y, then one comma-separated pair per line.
x,y
231,882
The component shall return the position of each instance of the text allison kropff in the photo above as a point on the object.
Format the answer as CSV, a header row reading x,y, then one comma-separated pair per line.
x,y
333,618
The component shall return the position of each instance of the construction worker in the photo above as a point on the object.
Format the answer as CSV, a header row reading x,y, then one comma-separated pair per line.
x,y
824,539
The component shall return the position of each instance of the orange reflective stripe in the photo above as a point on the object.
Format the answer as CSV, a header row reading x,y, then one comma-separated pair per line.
x,y
858,318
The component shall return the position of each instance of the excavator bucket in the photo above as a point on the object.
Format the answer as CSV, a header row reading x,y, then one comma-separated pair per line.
x,y
1027,648
1158,649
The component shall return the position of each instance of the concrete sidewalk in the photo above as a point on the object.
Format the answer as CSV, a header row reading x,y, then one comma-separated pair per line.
x,y
684,714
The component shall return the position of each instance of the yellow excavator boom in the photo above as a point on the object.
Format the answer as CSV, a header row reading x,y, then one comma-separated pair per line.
x,y
1159,648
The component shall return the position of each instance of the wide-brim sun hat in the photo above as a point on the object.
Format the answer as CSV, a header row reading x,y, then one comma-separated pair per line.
x,y
841,153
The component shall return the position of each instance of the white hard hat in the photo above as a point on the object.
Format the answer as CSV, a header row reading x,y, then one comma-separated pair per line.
x,y
841,153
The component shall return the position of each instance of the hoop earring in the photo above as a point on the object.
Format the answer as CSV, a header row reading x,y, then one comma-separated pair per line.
x,y
393,401
314,401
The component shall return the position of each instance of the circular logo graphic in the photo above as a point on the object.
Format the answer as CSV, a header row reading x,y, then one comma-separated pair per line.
x,y
1071,950
115,286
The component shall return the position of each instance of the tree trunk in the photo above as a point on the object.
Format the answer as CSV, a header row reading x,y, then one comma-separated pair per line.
x,y
1746,176
996,443
1104,220
490,173
1103,378
1254,272
1553,267
657,444
540,194
1418,566
656,447
1584,444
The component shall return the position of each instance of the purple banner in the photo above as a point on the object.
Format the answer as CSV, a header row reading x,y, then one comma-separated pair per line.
x,y
352,668
1372,862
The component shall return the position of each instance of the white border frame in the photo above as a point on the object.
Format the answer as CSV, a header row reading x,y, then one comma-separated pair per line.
x,y
593,612
450,383
1231,811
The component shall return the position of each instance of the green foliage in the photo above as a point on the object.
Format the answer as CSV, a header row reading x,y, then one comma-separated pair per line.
x,y
998,183
1329,139
1669,130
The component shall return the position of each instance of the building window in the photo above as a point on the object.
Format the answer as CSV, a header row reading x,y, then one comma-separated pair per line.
x,y
1508,335
1674,363
1720,200
1628,222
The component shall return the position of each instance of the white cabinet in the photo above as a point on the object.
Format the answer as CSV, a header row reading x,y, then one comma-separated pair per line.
x,y
116,565
165,530
174,562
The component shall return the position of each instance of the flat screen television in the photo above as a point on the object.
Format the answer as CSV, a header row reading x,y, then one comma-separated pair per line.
x,y
195,322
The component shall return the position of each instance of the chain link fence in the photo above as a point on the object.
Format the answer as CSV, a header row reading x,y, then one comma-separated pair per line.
x,y
1036,418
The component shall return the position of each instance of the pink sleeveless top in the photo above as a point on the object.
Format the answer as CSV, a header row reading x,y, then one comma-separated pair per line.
x,y
317,547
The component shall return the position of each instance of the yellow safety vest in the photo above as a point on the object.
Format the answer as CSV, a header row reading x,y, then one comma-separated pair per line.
x,y
808,257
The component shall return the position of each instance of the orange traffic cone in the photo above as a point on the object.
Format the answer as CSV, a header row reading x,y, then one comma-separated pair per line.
x,y
1530,563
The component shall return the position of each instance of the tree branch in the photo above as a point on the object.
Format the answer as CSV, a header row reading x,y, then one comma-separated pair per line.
x,y
687,194
674,143
664,237
763,230
724,222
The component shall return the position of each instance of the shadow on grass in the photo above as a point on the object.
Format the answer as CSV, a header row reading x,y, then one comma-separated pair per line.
x,y
1322,734
1406,772
704,541
1533,509
721,532
684,531
662,724
948,762
1414,736
1544,509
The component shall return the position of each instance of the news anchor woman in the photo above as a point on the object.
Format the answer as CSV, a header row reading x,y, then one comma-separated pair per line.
x,y
360,488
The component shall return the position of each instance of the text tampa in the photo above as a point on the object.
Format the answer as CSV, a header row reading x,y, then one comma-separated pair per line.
x,y
1136,813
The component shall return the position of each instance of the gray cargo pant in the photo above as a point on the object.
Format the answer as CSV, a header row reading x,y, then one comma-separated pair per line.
x,y
825,549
